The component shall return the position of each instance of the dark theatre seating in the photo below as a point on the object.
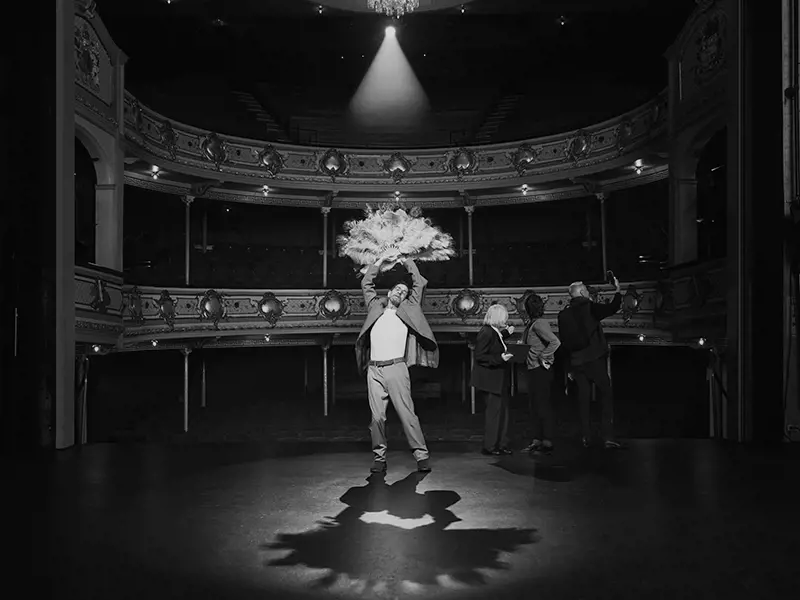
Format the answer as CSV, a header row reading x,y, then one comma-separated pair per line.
x,y
251,267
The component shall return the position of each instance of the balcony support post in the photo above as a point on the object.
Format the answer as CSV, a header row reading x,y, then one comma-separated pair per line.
x,y
325,349
187,200
186,352
470,211
325,212
602,197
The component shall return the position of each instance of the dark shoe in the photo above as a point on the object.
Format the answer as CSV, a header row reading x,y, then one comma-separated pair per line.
x,y
378,466
534,446
505,451
486,452
423,466
545,449
612,445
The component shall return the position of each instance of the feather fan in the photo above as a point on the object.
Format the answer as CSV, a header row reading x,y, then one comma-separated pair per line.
x,y
389,229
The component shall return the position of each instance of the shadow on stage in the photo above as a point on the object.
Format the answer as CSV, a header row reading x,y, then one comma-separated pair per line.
x,y
570,462
393,537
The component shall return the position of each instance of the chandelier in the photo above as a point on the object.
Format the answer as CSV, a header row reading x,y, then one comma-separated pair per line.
x,y
393,8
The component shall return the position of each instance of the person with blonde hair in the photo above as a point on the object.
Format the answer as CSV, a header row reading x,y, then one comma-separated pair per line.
x,y
491,375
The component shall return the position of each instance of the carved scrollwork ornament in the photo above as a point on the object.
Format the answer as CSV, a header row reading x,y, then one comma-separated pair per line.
x,y
466,304
334,305
168,138
86,8
270,308
214,149
630,303
624,136
710,45
166,309
334,164
270,159
665,302
135,306
396,166
136,115
579,147
100,298
211,307
524,158
461,162
87,55
199,188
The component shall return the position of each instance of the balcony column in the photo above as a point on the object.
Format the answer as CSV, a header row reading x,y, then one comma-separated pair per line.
x,y
82,364
471,387
333,379
187,200
109,235
464,380
325,212
755,216
791,195
186,352
602,197
37,229
683,210
470,211
203,383
325,348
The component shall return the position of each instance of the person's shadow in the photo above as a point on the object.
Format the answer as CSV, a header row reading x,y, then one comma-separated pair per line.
x,y
391,535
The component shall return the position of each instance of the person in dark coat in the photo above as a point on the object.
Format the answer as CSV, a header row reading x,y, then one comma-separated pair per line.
x,y
581,331
491,375
395,336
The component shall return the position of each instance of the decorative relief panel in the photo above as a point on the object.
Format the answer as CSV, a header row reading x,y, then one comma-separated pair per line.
x,y
334,164
703,57
193,148
524,158
168,138
214,150
270,159
98,293
397,166
461,162
93,69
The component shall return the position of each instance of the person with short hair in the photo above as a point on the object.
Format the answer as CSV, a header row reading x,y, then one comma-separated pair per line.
x,y
395,336
539,362
491,375
581,331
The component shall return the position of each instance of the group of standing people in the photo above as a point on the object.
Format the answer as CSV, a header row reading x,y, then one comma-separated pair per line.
x,y
585,352
396,335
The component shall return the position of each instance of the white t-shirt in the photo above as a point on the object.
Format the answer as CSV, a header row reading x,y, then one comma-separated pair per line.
x,y
388,336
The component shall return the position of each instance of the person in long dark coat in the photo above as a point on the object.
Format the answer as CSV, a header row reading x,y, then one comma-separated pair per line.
x,y
491,374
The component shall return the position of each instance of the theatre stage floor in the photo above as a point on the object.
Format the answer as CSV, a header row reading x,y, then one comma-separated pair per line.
x,y
664,519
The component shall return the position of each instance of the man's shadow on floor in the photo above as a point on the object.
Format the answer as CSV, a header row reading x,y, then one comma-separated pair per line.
x,y
390,534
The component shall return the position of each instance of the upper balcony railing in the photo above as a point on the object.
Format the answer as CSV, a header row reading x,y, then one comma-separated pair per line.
x,y
215,156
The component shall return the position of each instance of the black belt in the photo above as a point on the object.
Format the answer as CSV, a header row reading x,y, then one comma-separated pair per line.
x,y
386,363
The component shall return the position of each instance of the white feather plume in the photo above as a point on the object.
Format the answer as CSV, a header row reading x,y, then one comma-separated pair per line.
x,y
390,229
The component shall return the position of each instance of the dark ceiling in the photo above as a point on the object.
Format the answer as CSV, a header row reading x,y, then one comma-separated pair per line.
x,y
201,61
